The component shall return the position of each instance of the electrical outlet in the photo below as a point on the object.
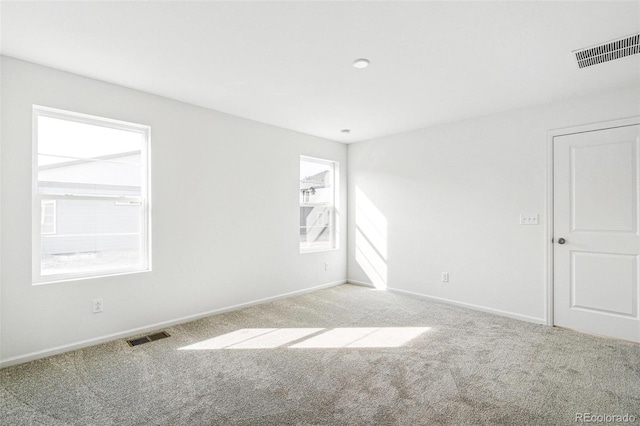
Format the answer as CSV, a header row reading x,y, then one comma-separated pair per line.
x,y
326,266
97,305
445,277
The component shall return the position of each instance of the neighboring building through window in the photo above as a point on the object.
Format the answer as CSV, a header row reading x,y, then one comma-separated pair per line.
x,y
91,196
317,204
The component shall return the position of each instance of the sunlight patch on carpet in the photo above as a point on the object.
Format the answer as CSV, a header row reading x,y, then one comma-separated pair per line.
x,y
311,338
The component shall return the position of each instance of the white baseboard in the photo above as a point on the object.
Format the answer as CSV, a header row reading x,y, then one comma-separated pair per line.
x,y
508,314
147,328
361,283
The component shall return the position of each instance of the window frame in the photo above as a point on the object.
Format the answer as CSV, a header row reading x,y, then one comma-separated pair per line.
x,y
37,198
333,216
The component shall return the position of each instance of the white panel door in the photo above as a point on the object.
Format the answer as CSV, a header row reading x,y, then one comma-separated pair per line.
x,y
596,240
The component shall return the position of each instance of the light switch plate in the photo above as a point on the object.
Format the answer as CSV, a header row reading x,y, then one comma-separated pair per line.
x,y
528,218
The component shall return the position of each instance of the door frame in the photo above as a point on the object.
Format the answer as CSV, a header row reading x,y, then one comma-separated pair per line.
x,y
551,134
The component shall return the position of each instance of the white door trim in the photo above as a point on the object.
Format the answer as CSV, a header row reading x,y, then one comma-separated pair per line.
x,y
550,135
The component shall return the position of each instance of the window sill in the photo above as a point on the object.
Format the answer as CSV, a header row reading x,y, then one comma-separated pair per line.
x,y
318,250
63,279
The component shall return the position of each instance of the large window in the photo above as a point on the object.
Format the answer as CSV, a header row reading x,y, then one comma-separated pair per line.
x,y
317,204
91,196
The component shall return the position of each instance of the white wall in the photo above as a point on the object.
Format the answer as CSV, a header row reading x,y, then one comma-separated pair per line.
x,y
225,216
448,198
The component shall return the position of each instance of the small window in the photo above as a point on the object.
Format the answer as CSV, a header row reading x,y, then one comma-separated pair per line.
x,y
48,217
91,196
317,204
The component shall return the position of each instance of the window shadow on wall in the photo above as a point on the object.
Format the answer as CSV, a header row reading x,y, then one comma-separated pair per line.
x,y
371,240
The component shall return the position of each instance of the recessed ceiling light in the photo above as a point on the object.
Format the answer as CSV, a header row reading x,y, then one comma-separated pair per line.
x,y
345,131
361,63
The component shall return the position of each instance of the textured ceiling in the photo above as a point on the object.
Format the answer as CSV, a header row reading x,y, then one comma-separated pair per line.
x,y
289,63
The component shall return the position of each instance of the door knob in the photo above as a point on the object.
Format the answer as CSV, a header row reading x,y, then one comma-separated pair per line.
x,y
561,241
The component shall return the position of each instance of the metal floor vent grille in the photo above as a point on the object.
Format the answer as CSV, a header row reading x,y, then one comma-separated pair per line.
x,y
147,339
615,49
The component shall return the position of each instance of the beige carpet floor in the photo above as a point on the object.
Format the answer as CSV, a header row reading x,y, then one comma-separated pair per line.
x,y
340,356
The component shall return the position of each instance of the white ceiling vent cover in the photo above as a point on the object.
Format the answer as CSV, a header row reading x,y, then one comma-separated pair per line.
x,y
615,49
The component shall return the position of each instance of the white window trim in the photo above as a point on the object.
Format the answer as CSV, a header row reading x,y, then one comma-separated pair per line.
x,y
335,223
145,198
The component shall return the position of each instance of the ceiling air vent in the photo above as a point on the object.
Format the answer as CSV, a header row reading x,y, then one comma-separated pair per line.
x,y
615,49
